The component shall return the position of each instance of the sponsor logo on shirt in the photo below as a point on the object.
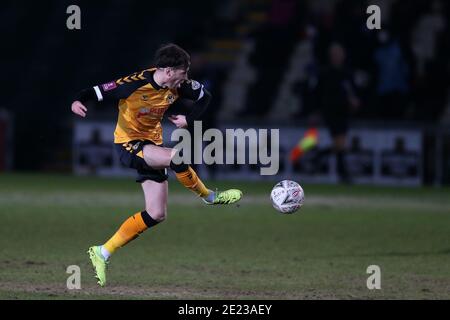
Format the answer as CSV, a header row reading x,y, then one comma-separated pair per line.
x,y
153,111
143,112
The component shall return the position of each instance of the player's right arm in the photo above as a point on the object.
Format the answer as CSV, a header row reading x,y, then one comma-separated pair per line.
x,y
94,94
79,108
110,91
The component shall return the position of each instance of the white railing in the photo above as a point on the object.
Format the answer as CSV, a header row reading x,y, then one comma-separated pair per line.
x,y
379,155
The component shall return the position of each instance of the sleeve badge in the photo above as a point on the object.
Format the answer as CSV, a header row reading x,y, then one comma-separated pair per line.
x,y
195,85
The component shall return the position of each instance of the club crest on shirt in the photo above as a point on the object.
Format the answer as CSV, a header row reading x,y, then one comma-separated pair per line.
x,y
136,146
170,98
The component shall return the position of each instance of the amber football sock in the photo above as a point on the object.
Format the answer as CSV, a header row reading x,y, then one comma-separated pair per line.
x,y
128,231
190,180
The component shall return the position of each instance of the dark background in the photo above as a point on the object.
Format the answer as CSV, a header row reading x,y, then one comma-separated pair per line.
x,y
44,64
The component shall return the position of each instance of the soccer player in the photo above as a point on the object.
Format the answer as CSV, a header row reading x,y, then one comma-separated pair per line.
x,y
143,98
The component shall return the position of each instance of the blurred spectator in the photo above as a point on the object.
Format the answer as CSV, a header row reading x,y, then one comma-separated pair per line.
x,y
424,35
274,44
392,75
335,100
431,47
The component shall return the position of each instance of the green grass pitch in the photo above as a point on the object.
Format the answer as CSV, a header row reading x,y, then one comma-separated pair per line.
x,y
249,251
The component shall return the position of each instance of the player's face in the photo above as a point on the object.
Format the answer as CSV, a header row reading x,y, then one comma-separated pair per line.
x,y
176,77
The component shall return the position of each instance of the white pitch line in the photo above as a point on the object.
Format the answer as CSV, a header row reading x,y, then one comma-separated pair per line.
x,y
102,198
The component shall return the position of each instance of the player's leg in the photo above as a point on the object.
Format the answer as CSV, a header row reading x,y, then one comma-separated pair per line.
x,y
159,157
156,199
154,213
154,183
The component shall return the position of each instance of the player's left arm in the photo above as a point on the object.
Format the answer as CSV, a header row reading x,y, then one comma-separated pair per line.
x,y
195,91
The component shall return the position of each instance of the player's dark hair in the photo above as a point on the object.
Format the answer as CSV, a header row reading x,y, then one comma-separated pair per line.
x,y
172,56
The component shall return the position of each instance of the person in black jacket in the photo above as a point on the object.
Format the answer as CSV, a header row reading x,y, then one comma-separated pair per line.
x,y
335,99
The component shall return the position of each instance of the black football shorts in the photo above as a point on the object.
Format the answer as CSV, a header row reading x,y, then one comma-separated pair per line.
x,y
131,155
